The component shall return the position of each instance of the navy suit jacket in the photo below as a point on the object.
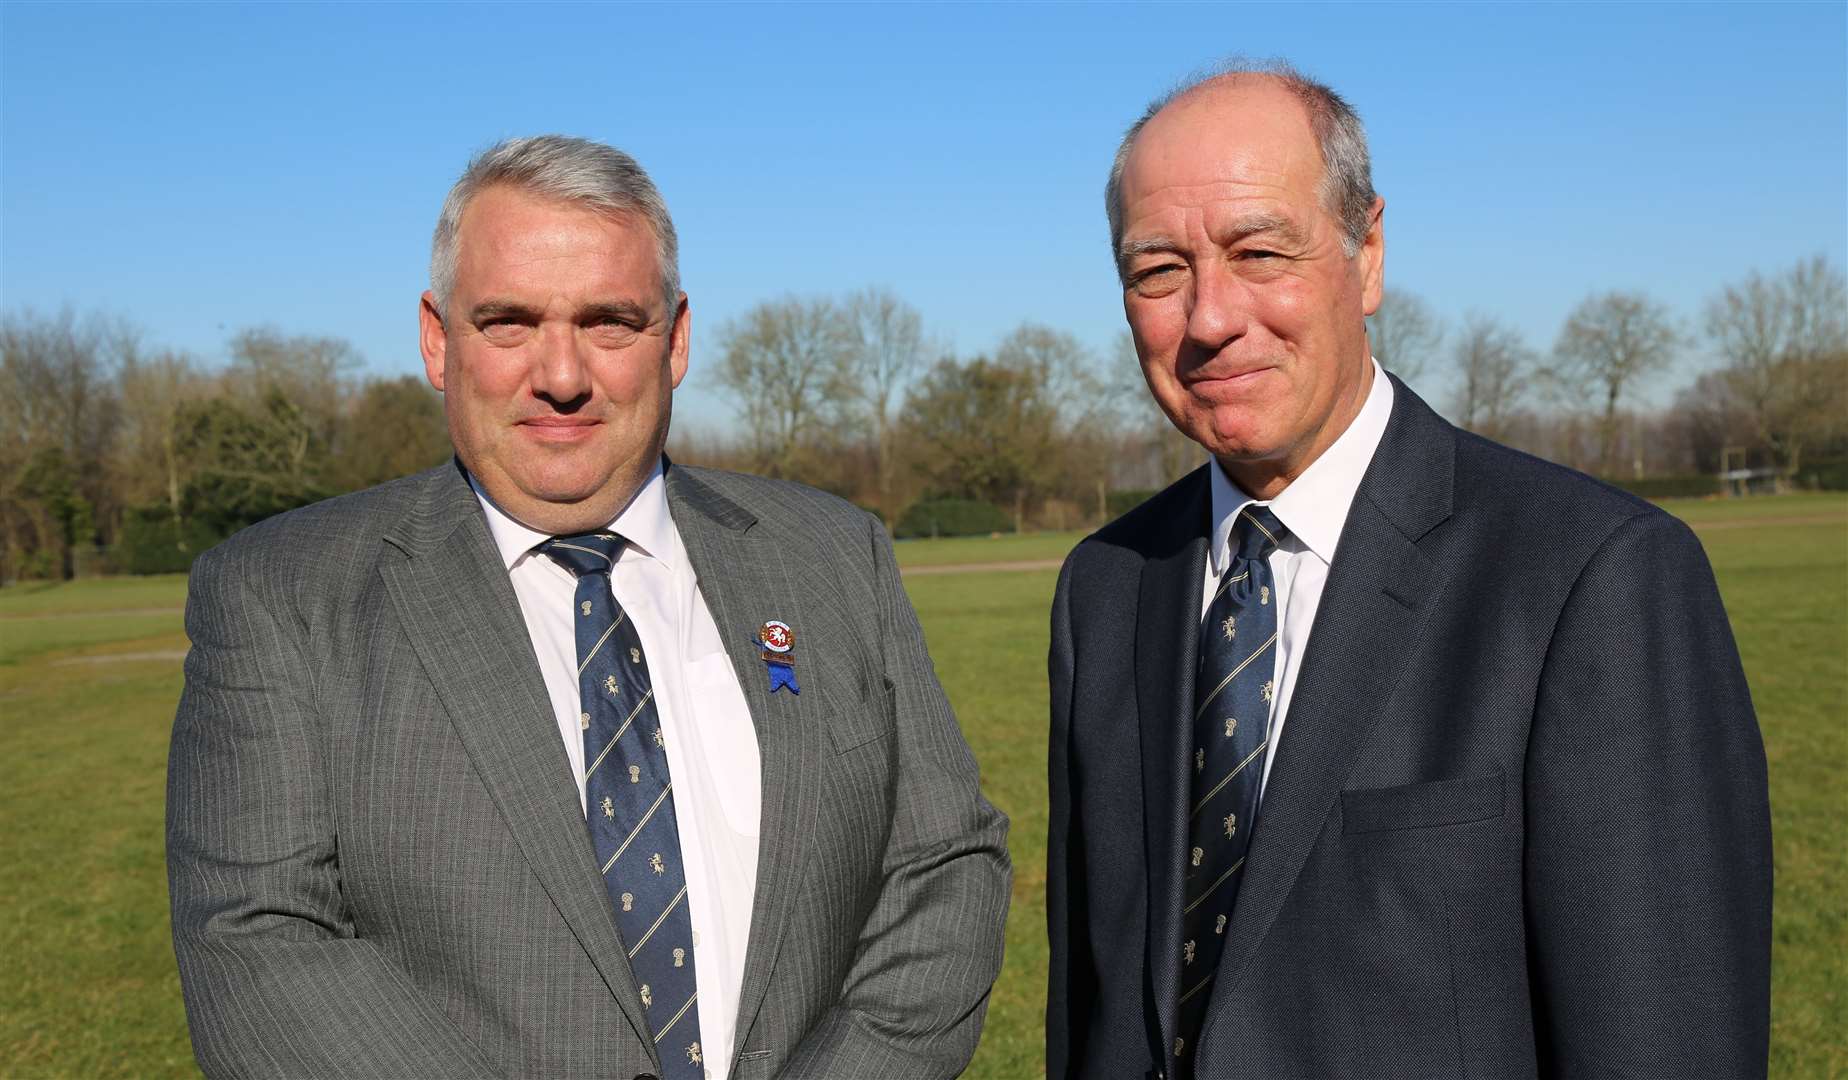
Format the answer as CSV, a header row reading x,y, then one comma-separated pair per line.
x,y
1517,824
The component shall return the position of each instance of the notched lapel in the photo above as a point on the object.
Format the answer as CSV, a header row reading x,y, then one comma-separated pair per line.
x,y
453,596
745,580
1167,647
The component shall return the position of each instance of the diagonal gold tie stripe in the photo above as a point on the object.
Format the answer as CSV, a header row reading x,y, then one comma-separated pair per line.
x,y
611,745
582,548
1233,869
637,831
598,647
1227,583
1217,788
1199,986
1227,681
683,1011
659,919
1259,525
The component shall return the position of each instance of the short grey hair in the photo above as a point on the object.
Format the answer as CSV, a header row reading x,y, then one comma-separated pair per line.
x,y
1347,171
578,171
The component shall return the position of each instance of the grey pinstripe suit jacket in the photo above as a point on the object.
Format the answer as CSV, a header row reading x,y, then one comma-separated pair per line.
x,y
376,853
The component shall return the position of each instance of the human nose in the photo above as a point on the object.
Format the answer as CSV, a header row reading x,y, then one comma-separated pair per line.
x,y
1219,308
561,371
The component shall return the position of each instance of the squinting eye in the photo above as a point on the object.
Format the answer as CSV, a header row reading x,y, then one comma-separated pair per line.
x,y
501,328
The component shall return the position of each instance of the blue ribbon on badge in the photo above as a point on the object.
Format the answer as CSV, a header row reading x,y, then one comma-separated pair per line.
x,y
782,673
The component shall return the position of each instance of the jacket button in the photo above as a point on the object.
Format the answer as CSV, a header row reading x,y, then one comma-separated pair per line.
x,y
646,1076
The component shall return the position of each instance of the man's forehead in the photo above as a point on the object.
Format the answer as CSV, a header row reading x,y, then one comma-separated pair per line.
x,y
1245,127
1239,143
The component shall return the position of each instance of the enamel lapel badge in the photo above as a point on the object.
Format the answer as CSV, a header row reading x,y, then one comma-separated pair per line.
x,y
779,642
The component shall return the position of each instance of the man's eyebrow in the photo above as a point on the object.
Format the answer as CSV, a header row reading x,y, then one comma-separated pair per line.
x,y
1154,245
1243,229
620,310
1251,225
499,308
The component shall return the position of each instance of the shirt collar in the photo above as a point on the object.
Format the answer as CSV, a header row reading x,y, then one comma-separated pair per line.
x,y
1315,505
645,523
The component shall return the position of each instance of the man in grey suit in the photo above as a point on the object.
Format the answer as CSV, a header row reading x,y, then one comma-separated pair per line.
x,y
564,760
1378,750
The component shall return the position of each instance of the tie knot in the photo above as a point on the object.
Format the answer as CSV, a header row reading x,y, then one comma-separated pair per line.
x,y
1256,533
590,553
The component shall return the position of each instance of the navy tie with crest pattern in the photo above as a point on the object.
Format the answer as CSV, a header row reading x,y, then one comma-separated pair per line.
x,y
1231,731
629,801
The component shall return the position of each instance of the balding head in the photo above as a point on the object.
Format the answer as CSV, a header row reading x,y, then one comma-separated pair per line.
x,y
1347,176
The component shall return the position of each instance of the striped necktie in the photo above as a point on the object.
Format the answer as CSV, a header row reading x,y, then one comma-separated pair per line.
x,y
1232,702
629,800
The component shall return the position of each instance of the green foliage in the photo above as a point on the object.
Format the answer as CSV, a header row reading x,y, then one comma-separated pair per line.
x,y
153,542
1119,503
952,517
982,430
243,464
396,428
1825,475
48,486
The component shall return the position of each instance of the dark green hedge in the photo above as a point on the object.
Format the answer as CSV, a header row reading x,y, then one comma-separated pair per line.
x,y
1828,475
151,543
1118,503
952,517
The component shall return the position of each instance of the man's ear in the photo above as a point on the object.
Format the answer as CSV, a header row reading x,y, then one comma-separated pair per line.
x,y
1373,258
432,340
680,338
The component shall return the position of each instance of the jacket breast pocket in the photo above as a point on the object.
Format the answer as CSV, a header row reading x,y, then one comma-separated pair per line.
x,y
1425,805
854,719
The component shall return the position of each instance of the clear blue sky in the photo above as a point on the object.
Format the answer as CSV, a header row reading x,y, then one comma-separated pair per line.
x,y
201,168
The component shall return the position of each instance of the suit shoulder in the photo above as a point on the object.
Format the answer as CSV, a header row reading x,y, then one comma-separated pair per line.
x,y
777,500
1545,501
1153,528
326,536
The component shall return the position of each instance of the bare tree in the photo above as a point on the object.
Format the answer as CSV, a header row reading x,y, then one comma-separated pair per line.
x,y
886,350
1784,340
1610,343
152,390
58,421
780,365
1404,333
1493,366
1156,452
310,371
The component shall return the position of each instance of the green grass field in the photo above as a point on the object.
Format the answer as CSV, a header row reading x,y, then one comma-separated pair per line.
x,y
88,681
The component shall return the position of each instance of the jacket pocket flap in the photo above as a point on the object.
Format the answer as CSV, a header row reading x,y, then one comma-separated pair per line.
x,y
1422,806
853,724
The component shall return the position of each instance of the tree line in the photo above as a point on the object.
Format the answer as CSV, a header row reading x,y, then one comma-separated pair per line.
x,y
118,457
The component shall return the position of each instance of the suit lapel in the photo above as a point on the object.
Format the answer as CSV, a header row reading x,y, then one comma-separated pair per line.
x,y
1369,622
744,581
1167,644
453,596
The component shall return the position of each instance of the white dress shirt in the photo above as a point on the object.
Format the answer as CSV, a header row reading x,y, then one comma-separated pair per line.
x,y
1314,508
711,741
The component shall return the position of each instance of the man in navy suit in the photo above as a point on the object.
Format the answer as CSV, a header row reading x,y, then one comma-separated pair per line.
x,y
1378,749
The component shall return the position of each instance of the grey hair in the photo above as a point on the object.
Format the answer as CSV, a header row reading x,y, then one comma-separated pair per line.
x,y
578,171
1347,172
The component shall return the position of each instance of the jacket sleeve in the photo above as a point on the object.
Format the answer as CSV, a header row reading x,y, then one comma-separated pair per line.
x,y
1648,853
912,1004
1065,915
275,980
